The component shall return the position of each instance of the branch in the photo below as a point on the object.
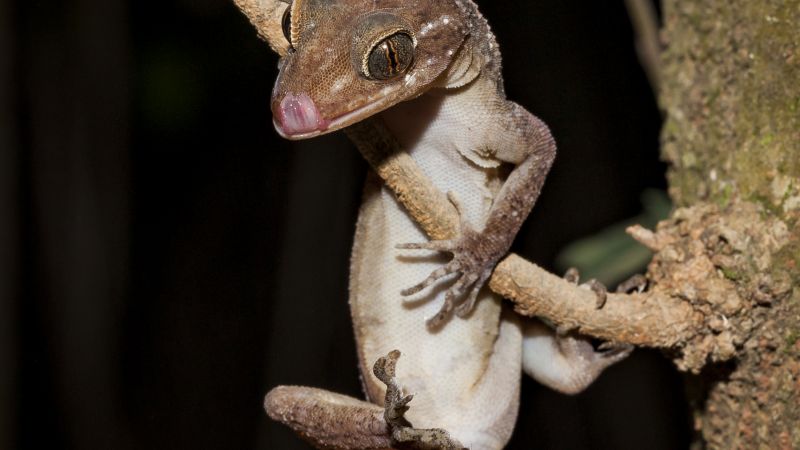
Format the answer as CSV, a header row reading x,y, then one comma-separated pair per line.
x,y
648,47
648,319
642,319
427,205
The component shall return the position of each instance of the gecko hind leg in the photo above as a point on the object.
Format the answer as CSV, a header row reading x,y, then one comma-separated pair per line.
x,y
564,360
404,435
611,349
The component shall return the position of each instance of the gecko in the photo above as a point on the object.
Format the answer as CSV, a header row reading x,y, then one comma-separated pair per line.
x,y
425,75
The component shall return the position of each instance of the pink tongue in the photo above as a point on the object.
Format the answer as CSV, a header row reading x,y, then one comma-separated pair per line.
x,y
297,114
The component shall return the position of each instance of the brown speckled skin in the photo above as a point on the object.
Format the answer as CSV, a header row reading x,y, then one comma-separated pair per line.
x,y
348,423
324,54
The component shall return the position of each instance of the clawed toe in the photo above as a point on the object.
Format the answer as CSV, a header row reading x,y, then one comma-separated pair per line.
x,y
451,267
469,281
613,349
443,313
466,307
636,283
600,292
573,276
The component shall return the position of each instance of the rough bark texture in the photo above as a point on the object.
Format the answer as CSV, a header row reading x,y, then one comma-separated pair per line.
x,y
732,95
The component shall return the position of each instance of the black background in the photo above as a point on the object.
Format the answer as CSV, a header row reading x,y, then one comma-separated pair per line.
x,y
166,258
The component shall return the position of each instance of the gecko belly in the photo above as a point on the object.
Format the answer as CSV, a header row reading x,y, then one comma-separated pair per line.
x,y
465,374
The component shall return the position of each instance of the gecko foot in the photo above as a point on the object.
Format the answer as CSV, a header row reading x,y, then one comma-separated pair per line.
x,y
636,283
566,361
474,257
404,435
573,276
586,361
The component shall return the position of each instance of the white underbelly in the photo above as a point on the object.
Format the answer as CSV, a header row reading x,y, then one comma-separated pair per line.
x,y
454,371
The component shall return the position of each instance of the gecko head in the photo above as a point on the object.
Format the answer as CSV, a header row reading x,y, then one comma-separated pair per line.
x,y
349,59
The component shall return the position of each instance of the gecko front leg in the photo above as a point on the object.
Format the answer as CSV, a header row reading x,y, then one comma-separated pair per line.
x,y
525,141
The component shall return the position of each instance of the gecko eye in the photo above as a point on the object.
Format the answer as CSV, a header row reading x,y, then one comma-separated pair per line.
x,y
390,57
286,24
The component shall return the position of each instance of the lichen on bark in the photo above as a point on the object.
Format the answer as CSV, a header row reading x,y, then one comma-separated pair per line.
x,y
731,91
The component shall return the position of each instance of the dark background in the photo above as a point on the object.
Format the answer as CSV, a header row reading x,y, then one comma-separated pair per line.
x,y
165,258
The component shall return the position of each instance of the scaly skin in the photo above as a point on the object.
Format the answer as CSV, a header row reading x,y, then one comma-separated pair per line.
x,y
447,109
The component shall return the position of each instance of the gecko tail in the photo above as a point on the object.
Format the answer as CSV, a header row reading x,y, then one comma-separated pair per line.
x,y
328,420
333,421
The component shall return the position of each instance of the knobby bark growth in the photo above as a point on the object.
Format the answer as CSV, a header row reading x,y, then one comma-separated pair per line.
x,y
723,299
732,94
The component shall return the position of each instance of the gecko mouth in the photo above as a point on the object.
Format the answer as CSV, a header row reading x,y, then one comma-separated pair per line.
x,y
297,117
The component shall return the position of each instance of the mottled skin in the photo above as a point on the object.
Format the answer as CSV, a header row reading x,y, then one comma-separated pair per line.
x,y
448,110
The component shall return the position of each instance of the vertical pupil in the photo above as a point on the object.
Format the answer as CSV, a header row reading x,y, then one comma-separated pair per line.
x,y
391,56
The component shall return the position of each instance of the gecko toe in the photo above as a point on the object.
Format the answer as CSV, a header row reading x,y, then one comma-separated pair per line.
x,y
453,294
444,311
636,283
451,267
601,292
615,349
465,308
572,275
440,246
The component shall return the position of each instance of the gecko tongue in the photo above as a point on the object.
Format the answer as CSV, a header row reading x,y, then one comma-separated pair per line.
x,y
297,114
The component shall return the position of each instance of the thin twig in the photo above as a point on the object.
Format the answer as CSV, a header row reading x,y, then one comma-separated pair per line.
x,y
648,46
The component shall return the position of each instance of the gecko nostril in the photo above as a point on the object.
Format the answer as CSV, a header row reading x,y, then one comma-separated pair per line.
x,y
297,114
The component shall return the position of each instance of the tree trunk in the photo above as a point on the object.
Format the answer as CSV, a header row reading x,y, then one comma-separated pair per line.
x,y
731,92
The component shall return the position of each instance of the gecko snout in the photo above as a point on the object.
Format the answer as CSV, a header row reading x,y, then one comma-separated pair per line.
x,y
297,115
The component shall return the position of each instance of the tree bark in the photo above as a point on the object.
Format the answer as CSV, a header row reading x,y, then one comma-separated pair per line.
x,y
731,91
